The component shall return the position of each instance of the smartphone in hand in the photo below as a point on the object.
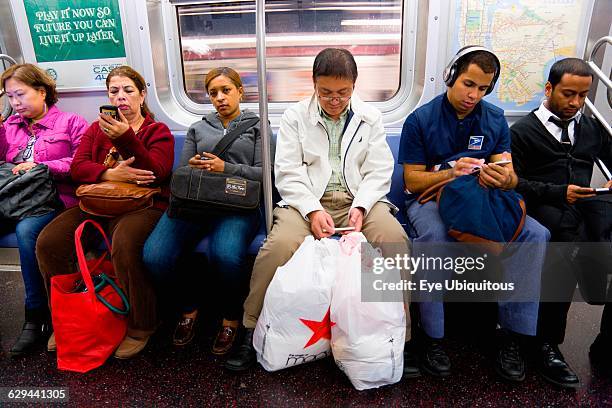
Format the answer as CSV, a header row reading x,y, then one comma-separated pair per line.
x,y
603,191
343,229
502,162
499,163
110,110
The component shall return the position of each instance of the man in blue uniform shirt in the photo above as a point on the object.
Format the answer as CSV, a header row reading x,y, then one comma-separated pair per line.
x,y
446,138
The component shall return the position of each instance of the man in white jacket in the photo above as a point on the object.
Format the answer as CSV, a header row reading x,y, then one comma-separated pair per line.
x,y
333,169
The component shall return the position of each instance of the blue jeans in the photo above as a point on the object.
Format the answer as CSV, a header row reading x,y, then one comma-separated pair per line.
x,y
27,231
229,239
425,225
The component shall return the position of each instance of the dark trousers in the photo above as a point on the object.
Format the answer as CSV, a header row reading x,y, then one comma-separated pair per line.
x,y
27,231
229,239
56,255
587,221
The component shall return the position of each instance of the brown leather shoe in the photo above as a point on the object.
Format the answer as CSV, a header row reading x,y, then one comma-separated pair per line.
x,y
225,339
130,346
184,332
51,344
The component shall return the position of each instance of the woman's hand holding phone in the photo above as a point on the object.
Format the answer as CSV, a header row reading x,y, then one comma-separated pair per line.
x,y
112,127
207,161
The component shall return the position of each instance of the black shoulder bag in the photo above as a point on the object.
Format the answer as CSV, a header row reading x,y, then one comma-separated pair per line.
x,y
27,194
194,192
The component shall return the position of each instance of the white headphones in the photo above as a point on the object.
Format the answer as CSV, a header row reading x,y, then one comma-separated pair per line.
x,y
451,70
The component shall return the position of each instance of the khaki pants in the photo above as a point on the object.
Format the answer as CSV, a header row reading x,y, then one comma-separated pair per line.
x,y
290,229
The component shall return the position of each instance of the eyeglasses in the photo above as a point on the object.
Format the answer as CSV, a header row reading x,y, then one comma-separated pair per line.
x,y
334,98
29,149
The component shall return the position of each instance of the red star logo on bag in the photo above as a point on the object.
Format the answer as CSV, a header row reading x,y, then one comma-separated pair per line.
x,y
321,330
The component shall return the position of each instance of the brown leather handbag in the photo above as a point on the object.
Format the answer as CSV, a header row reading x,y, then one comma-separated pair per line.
x,y
114,198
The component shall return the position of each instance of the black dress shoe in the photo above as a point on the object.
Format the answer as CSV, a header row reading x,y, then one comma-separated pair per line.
x,y
554,369
434,359
411,361
32,335
243,357
509,363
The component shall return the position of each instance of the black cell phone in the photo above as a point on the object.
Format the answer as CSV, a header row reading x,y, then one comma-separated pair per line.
x,y
603,190
110,110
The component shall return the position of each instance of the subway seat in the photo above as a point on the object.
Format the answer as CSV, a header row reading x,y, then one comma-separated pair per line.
x,y
396,196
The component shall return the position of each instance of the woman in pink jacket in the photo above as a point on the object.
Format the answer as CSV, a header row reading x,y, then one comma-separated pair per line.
x,y
38,134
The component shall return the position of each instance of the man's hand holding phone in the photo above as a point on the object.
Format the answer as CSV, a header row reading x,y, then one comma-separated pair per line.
x,y
574,193
321,224
498,174
465,165
355,219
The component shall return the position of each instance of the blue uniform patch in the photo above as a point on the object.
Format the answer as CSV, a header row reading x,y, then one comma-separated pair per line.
x,y
475,142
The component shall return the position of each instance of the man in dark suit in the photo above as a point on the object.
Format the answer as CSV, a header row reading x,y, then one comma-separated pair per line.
x,y
554,148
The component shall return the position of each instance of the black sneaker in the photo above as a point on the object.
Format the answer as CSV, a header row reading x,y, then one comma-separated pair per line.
x,y
434,359
509,363
243,357
552,366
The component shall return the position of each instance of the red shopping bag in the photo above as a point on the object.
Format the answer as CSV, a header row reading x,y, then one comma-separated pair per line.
x,y
89,310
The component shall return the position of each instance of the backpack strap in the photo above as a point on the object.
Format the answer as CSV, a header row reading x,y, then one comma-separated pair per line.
x,y
522,223
231,136
432,192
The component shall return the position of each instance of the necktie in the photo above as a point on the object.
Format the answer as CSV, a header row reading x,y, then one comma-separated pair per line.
x,y
564,125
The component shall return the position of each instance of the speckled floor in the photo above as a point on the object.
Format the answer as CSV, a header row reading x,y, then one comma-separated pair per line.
x,y
164,375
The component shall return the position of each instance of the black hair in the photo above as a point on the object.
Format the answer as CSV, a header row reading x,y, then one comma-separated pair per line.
x,y
34,77
335,62
483,59
572,66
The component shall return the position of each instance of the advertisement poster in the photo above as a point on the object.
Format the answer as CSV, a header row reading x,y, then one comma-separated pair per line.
x,y
77,41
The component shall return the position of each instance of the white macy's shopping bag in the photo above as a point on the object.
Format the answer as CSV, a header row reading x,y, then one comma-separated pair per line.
x,y
368,337
294,327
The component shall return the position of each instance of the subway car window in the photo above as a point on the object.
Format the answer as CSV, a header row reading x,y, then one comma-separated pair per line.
x,y
223,34
4,103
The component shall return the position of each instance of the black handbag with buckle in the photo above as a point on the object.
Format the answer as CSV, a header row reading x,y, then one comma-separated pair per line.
x,y
194,192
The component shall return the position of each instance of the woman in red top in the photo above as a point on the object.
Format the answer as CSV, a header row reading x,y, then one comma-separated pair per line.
x,y
140,146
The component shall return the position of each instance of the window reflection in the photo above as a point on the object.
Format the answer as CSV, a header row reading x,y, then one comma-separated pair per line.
x,y
223,33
